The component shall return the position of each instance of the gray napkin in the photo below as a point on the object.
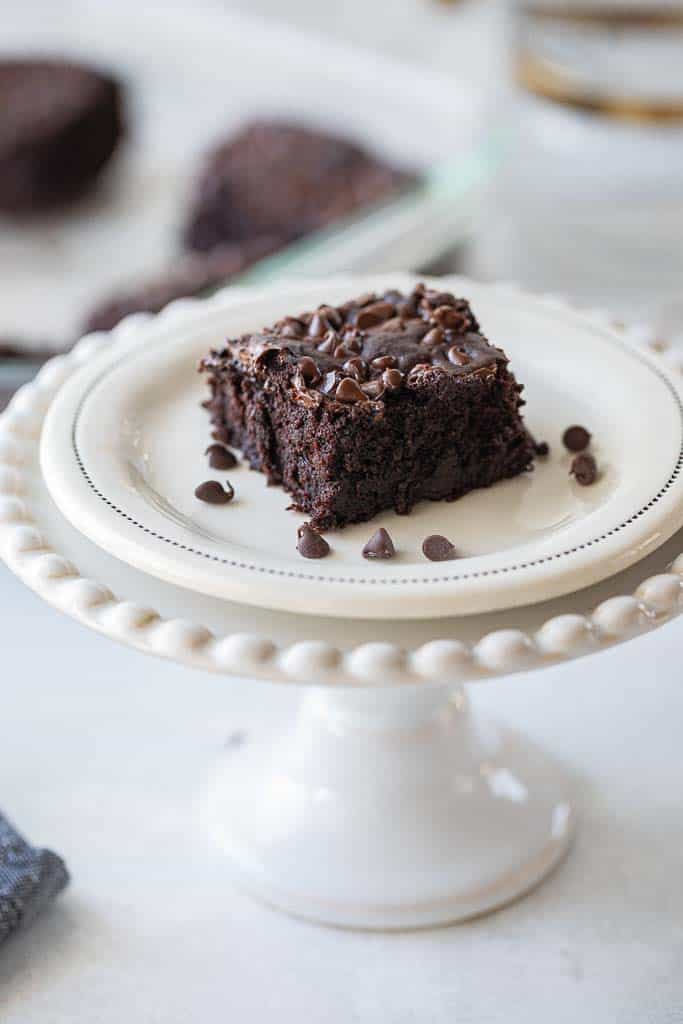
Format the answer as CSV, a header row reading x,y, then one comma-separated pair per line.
x,y
29,879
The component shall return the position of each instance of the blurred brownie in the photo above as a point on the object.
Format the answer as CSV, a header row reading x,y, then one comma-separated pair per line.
x,y
375,404
281,179
60,122
196,275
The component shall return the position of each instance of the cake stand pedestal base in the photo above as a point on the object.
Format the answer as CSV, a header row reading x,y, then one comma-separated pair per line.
x,y
390,808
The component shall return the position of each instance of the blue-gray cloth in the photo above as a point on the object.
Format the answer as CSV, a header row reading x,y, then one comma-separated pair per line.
x,y
29,879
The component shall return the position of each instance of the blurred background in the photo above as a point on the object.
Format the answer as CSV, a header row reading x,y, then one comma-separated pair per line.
x,y
543,141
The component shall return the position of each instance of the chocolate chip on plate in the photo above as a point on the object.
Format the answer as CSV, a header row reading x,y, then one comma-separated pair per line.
x,y
220,457
576,439
310,544
541,448
584,469
215,493
437,548
380,545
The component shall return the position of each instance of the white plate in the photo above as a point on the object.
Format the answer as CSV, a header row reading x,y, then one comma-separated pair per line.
x,y
241,67
135,434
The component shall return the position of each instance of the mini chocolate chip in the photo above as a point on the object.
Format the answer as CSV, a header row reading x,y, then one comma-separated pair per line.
x,y
383,362
457,356
584,469
329,343
309,371
317,326
332,315
353,342
356,367
374,389
220,457
437,548
433,337
310,544
441,298
392,379
348,391
406,309
380,545
374,315
447,316
420,368
542,449
290,327
213,493
576,439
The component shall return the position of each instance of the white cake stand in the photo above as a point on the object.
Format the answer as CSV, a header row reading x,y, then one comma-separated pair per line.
x,y
385,802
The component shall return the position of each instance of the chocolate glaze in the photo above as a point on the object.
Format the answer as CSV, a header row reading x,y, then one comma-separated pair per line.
x,y
421,333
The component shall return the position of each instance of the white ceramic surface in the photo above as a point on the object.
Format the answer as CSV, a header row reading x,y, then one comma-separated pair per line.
x,y
79,578
123,450
130,227
421,813
389,810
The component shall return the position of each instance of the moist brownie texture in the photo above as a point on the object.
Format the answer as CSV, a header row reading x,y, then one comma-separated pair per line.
x,y
281,179
372,405
198,274
59,124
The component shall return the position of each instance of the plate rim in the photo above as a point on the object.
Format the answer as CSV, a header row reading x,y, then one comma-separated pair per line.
x,y
434,594
52,576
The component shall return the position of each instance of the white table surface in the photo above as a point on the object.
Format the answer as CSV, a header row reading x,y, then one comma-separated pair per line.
x,y
104,754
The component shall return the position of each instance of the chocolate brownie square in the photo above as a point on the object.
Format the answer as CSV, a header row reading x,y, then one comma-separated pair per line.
x,y
60,122
285,180
375,404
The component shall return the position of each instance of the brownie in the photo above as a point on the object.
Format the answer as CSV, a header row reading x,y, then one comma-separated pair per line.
x,y
196,275
60,122
281,179
375,404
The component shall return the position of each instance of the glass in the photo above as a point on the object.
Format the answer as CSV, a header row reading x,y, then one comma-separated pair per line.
x,y
590,202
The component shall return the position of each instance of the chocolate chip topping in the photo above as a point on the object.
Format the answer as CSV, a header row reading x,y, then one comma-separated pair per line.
x,y
388,340
437,548
349,391
220,457
576,439
214,493
392,379
584,469
457,356
380,545
310,544
309,370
